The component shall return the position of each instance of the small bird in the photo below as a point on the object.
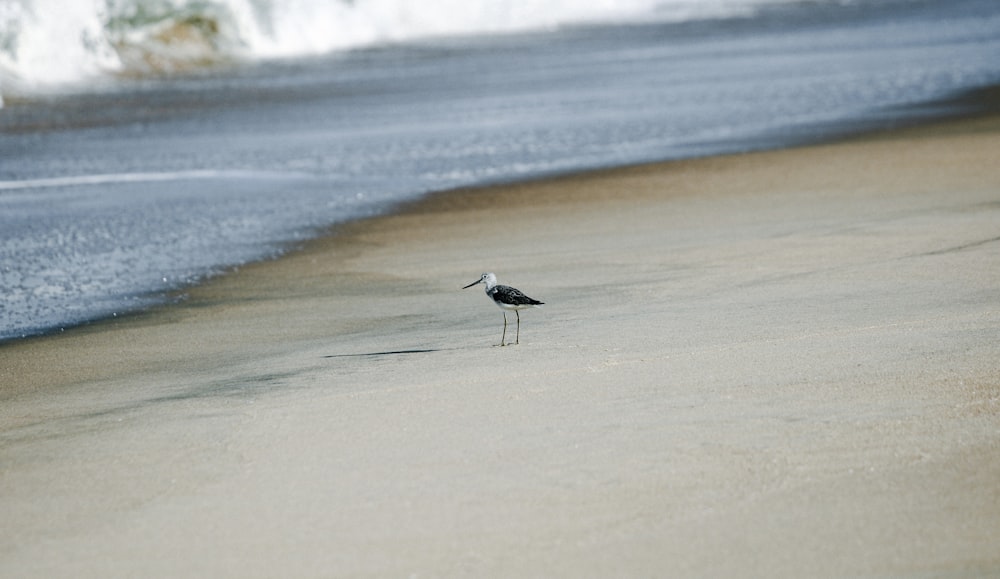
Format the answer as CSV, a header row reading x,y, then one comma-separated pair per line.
x,y
506,298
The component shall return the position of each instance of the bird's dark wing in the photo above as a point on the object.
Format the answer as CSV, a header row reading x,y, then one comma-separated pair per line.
x,y
513,296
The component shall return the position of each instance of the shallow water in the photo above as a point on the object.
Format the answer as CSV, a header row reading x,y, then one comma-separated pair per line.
x,y
117,191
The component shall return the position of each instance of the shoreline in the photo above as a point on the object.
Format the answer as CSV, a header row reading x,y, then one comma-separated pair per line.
x,y
783,357
951,114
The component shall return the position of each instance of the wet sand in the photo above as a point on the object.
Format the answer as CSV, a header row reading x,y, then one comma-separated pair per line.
x,y
772,364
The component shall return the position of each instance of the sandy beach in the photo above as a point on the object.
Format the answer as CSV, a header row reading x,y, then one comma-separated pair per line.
x,y
777,364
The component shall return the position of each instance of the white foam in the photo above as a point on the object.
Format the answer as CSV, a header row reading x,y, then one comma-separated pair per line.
x,y
52,41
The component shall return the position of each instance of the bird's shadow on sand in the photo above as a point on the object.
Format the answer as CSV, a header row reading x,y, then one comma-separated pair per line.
x,y
390,353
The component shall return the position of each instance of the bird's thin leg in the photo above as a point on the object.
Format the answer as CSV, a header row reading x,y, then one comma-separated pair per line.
x,y
504,329
517,340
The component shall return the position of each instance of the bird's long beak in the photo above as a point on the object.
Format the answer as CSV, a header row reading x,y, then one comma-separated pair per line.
x,y
472,284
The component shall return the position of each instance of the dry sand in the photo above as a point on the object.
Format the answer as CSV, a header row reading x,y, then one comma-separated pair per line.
x,y
775,364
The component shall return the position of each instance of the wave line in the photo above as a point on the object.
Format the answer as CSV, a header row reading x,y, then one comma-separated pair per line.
x,y
108,178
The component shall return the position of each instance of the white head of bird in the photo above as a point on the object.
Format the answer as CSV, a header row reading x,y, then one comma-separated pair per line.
x,y
488,278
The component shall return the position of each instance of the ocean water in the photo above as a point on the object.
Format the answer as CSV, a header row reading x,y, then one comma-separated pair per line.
x,y
148,144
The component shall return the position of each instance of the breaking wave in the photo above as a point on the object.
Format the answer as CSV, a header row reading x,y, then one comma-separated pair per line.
x,y
48,43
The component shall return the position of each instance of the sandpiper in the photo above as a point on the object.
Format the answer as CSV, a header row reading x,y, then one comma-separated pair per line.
x,y
506,298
